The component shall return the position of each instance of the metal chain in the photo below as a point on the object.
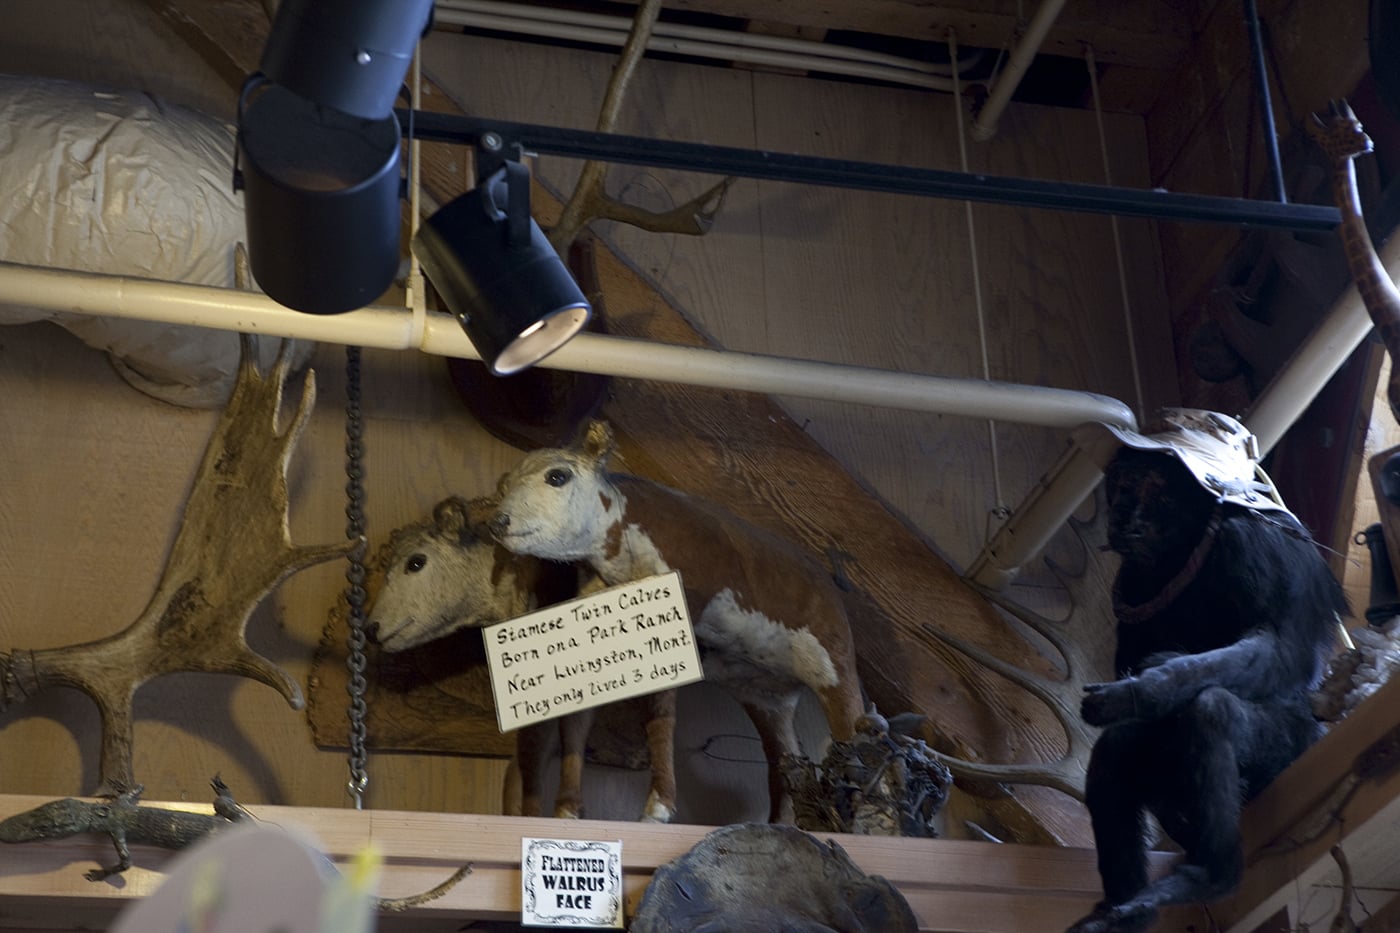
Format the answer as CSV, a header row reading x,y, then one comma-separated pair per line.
x,y
355,575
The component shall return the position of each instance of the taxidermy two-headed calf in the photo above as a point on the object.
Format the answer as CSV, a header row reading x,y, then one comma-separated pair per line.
x,y
767,618
1226,612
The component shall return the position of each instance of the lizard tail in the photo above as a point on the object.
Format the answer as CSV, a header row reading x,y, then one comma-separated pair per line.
x,y
432,894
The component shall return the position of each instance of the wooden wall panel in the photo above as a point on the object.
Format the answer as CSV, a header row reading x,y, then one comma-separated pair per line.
x,y
870,279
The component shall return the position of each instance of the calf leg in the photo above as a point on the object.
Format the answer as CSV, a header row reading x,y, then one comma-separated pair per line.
x,y
573,739
842,705
775,725
661,747
524,788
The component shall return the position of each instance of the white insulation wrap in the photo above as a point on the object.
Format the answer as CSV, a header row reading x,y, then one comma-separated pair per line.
x,y
119,183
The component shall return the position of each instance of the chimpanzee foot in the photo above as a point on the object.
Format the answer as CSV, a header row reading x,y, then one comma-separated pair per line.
x,y
1116,918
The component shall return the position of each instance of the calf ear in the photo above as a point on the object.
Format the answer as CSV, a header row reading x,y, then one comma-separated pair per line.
x,y
479,513
450,516
598,442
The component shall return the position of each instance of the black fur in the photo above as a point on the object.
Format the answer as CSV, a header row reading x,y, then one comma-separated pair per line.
x,y
1213,700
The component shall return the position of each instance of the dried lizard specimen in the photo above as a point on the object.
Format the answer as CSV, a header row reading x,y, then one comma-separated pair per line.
x,y
233,548
122,819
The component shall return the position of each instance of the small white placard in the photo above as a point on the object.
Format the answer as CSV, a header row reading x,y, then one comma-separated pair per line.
x,y
568,883
617,643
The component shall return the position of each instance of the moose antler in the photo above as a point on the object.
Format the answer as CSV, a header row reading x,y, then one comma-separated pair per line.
x,y
589,202
233,548
1086,654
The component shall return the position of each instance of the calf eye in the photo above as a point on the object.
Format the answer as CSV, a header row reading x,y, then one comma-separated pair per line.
x,y
415,563
558,476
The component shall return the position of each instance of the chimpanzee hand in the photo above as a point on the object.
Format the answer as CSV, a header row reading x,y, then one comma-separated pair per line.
x,y
1105,704
1146,696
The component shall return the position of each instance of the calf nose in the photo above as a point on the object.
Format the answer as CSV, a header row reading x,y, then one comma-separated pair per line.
x,y
499,524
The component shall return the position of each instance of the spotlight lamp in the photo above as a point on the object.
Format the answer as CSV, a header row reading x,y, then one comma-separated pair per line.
x,y
317,153
496,271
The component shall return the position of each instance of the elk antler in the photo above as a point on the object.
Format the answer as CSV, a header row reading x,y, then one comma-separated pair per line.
x,y
1079,640
588,201
233,548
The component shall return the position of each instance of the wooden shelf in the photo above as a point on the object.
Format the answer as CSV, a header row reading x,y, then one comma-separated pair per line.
x,y
952,885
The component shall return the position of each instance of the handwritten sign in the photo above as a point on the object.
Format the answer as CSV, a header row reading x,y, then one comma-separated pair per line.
x,y
621,642
565,882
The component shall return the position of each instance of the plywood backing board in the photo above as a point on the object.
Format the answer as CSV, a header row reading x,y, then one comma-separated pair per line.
x,y
96,474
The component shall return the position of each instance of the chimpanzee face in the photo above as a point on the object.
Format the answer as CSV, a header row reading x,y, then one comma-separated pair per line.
x,y
1156,509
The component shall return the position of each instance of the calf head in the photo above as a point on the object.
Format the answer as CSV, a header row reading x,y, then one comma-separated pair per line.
x,y
446,574
559,503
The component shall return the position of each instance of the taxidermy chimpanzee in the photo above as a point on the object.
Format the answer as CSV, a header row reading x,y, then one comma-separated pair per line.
x,y
1226,611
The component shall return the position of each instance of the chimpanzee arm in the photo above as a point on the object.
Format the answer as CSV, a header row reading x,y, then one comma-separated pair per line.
x,y
1250,668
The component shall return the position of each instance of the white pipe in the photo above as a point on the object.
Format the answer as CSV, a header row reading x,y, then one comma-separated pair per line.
x,y
1313,364
730,37
391,328
1045,509
706,49
985,126
1281,403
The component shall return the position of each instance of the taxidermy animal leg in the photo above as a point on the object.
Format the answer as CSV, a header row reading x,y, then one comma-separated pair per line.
x,y
573,739
661,746
1193,770
775,730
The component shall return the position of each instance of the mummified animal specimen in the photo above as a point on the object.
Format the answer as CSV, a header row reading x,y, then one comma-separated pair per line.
x,y
1226,612
768,620
233,548
880,783
123,820
447,574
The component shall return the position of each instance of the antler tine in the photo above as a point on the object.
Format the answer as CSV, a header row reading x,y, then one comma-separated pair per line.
x,y
1065,774
1040,687
1050,629
589,202
694,217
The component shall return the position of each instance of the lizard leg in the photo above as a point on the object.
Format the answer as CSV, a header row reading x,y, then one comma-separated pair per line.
x,y
123,860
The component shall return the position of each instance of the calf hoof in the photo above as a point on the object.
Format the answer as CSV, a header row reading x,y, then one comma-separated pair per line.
x,y
656,811
566,813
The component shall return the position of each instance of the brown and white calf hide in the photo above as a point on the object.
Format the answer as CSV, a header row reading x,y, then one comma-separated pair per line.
x,y
768,619
446,574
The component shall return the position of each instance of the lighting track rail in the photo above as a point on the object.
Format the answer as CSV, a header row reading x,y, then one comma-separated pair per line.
x,y
870,176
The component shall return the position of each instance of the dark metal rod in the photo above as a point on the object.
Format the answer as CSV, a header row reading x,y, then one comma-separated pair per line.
x,y
1265,99
869,176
